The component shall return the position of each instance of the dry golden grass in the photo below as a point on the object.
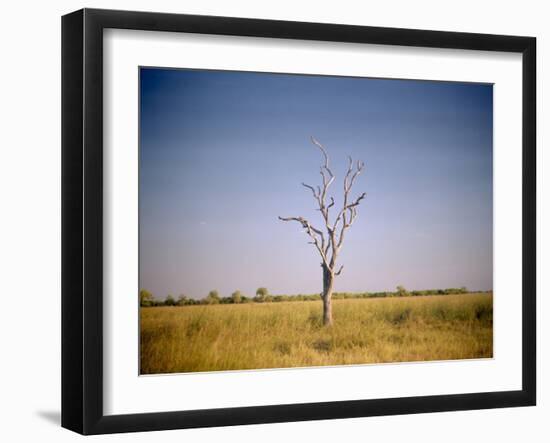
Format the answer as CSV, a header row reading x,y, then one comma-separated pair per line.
x,y
290,334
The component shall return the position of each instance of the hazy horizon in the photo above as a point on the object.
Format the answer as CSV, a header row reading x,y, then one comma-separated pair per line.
x,y
223,154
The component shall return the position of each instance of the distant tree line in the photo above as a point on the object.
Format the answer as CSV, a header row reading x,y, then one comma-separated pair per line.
x,y
147,299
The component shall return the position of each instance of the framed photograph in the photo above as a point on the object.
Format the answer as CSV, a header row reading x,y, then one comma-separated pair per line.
x,y
269,221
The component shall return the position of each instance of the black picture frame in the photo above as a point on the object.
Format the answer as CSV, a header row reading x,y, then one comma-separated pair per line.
x,y
82,218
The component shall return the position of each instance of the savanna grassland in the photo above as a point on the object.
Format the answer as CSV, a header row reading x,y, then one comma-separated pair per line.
x,y
290,334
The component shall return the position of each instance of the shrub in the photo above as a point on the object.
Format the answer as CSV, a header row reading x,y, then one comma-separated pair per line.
x,y
213,298
182,300
145,298
261,295
401,291
169,301
237,296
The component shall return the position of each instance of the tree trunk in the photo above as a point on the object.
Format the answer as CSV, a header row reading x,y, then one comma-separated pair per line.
x,y
328,281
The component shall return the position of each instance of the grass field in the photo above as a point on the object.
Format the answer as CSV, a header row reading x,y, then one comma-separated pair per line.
x,y
290,334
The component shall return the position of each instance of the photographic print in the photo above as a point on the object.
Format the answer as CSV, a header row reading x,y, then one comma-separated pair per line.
x,y
290,220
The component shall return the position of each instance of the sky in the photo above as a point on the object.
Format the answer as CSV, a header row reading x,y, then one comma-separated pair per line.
x,y
223,154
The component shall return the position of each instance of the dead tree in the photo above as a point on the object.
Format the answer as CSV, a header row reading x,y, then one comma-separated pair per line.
x,y
328,242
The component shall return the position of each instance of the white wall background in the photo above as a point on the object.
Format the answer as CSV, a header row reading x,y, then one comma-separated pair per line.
x,y
30,218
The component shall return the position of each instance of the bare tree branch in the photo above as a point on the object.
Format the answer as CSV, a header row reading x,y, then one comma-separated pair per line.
x,y
327,178
314,192
358,200
346,216
321,147
313,233
347,211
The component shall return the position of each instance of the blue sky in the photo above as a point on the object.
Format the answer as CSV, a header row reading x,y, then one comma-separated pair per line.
x,y
222,155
